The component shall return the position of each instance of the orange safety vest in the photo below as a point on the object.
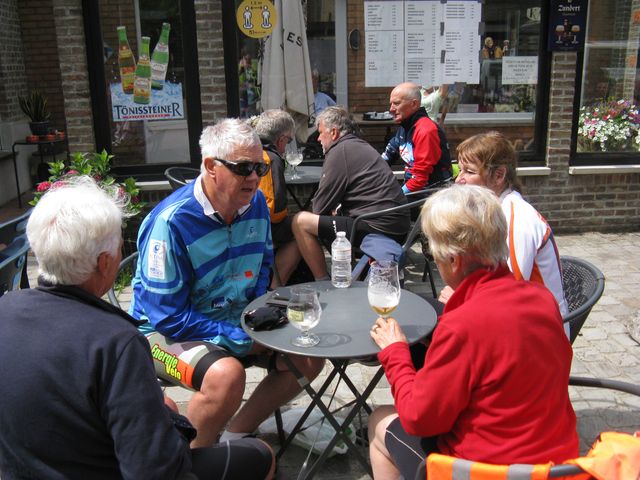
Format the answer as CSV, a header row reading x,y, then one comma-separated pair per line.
x,y
444,467
266,185
614,456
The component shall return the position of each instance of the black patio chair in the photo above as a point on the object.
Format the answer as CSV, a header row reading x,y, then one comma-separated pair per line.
x,y
397,251
180,176
583,285
13,261
9,231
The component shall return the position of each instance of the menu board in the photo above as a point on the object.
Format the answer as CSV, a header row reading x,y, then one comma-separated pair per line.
x,y
428,42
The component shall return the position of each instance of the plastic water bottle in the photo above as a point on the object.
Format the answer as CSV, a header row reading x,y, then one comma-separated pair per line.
x,y
341,261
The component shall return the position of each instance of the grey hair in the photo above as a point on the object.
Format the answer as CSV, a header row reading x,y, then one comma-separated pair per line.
x,y
337,117
271,124
466,220
71,225
223,138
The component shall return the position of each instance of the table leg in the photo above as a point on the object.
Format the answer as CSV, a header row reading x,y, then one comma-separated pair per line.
x,y
359,403
304,383
295,199
316,400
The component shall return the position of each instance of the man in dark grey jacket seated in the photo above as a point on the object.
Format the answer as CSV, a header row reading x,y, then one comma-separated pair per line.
x,y
81,398
355,180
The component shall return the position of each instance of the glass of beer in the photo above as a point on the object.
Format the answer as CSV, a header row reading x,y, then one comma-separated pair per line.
x,y
384,287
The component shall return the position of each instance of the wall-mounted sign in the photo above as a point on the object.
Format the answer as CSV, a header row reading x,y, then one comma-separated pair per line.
x,y
256,18
567,25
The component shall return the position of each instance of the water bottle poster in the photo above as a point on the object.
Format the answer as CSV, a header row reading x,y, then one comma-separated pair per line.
x,y
165,104
567,25
143,92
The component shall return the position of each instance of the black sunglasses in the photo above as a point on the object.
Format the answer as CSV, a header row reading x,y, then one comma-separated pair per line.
x,y
245,168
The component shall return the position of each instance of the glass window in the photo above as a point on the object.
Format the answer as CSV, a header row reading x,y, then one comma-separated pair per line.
x,y
320,21
608,118
145,80
507,96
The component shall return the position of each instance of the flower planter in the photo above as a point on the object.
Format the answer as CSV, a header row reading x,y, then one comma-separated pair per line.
x,y
39,128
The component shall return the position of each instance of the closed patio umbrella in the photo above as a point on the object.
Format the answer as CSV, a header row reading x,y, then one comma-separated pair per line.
x,y
286,71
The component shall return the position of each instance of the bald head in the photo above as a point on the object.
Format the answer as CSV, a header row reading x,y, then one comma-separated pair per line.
x,y
404,101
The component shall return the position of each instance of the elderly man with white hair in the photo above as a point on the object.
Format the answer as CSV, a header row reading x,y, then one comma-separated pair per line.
x,y
81,398
205,253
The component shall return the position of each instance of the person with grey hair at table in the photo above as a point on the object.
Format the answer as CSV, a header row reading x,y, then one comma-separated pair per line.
x,y
82,398
493,385
205,253
276,130
355,180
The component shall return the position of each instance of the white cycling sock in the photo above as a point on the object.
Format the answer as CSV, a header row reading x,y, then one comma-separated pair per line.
x,y
226,435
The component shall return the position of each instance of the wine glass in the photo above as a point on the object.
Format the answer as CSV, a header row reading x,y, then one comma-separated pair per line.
x,y
384,287
303,312
294,159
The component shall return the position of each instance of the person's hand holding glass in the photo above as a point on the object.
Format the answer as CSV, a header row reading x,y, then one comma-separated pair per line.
x,y
384,297
303,312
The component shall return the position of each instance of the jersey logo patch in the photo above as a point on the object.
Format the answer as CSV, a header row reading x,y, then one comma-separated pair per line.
x,y
155,259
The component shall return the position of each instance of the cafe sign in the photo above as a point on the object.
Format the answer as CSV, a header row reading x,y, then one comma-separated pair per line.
x,y
567,25
256,18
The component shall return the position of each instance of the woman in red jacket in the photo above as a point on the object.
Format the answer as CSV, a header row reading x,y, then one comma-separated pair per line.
x,y
493,387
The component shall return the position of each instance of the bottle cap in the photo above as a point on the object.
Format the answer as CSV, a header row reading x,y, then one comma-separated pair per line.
x,y
341,234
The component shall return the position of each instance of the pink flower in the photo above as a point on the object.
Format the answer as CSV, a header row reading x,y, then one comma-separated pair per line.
x,y
43,186
135,199
57,184
72,172
97,178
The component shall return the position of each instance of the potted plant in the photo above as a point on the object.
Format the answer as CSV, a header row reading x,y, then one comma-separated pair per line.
x,y
34,106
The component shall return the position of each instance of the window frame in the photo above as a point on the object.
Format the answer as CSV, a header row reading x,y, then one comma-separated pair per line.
x,y
590,159
97,87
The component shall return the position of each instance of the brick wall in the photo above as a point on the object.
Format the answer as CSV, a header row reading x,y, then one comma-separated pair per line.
x,y
210,60
12,72
40,46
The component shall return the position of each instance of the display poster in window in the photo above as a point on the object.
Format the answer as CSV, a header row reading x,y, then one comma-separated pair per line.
x,y
520,70
567,25
142,92
428,42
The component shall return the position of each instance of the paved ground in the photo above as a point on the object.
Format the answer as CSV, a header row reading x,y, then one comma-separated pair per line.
x,y
605,348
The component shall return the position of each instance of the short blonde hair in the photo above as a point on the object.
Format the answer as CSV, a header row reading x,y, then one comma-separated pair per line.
x,y
466,220
488,151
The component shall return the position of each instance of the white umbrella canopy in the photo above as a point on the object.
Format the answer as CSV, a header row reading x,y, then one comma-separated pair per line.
x,y
286,70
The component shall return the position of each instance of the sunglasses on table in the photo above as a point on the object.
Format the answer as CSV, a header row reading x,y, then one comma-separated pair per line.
x,y
245,168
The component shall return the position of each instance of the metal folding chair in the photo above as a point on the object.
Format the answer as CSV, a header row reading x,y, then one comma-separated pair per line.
x,y
180,176
583,284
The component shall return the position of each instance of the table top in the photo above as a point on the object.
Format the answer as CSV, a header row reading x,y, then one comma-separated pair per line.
x,y
359,118
345,323
308,175
39,142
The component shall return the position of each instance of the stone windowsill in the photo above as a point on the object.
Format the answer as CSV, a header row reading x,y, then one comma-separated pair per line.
x,y
604,169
